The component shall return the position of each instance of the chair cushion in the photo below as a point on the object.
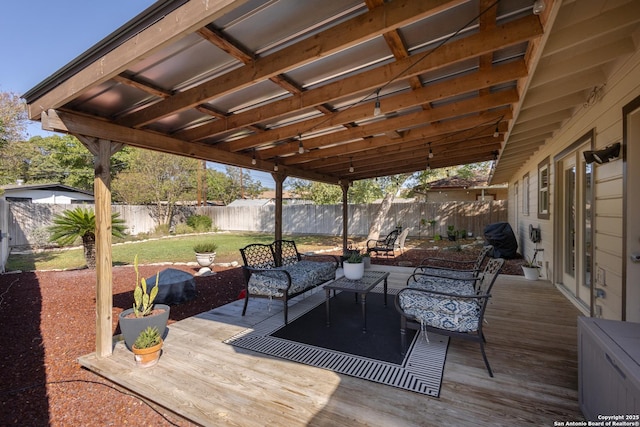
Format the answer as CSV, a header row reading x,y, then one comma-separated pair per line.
x,y
440,311
304,274
454,274
441,284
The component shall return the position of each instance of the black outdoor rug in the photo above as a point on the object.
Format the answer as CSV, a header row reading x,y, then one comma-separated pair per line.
x,y
344,348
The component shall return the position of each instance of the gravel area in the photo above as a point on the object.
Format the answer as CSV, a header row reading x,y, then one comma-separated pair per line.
x,y
48,320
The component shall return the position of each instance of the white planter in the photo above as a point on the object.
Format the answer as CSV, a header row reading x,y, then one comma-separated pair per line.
x,y
366,261
531,273
353,271
205,259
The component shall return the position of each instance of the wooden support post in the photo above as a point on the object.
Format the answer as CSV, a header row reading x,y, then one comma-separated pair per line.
x,y
279,179
102,150
345,215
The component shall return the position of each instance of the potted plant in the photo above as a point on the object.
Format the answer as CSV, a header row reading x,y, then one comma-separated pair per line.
x,y
354,267
452,233
366,260
144,312
147,347
205,253
530,269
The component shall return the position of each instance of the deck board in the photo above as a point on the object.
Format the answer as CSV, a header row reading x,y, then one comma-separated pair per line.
x,y
531,345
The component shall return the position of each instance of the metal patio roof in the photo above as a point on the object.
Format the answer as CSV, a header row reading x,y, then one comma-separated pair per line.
x,y
292,85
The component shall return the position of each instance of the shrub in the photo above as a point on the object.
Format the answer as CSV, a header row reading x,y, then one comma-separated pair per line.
x,y
199,223
183,228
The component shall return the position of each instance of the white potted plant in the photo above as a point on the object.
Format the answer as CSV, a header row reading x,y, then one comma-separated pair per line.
x,y
354,267
205,253
531,270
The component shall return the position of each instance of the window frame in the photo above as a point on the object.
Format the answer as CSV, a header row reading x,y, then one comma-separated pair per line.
x,y
544,167
525,194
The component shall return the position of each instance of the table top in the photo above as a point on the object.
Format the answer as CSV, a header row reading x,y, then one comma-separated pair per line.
x,y
368,282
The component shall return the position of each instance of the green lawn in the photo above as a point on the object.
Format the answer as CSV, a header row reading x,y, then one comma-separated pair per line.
x,y
169,249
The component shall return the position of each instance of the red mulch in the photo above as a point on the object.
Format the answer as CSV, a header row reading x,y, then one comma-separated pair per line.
x,y
47,321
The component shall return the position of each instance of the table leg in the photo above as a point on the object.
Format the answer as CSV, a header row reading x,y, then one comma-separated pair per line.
x,y
327,305
385,291
363,298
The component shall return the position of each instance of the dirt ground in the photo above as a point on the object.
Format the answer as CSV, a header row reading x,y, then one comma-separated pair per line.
x,y
47,321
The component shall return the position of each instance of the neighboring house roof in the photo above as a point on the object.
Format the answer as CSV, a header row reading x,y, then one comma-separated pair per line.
x,y
251,202
50,187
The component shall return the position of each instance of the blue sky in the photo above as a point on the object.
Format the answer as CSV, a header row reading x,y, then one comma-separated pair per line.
x,y
38,37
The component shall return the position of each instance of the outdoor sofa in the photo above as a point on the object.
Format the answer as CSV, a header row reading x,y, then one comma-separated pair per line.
x,y
279,271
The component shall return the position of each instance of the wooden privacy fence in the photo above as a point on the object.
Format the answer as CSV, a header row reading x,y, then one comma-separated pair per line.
x,y
27,221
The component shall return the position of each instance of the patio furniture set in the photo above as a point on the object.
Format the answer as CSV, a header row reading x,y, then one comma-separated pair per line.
x,y
436,299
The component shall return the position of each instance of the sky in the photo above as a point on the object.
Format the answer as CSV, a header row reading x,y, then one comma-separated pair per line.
x,y
38,37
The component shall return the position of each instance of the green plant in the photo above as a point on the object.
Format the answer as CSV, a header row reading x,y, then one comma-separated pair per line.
x,y
205,247
81,223
355,258
143,301
437,237
366,255
148,338
531,263
199,223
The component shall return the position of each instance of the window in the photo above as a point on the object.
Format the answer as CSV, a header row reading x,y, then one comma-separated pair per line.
x,y
525,195
543,189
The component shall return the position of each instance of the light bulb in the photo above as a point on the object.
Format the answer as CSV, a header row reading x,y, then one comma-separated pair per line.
x,y
376,110
351,169
430,154
253,160
300,148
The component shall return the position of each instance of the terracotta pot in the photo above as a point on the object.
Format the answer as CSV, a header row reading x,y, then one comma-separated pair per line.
x,y
147,357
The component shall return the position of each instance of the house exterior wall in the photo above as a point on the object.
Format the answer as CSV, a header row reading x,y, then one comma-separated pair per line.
x,y
49,196
605,118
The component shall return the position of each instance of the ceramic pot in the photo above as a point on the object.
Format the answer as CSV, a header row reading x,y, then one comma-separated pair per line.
x,y
132,326
353,271
205,259
147,357
531,273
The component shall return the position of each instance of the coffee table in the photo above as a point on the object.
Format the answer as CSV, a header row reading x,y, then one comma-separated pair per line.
x,y
360,288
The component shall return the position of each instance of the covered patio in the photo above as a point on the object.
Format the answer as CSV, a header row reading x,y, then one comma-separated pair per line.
x,y
330,91
531,336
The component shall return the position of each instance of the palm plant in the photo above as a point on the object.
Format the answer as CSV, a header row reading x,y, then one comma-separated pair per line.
x,y
81,223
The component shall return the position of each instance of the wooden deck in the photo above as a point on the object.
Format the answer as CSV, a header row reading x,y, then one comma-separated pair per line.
x,y
531,346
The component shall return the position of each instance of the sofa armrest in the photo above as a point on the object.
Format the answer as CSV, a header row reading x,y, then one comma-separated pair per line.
x,y
321,257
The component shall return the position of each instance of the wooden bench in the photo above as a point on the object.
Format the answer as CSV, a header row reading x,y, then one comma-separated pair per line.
x,y
279,271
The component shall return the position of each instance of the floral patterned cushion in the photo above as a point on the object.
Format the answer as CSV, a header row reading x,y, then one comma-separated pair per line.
x,y
443,272
441,311
440,284
304,274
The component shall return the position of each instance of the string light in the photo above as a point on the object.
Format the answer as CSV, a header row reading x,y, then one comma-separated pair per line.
x,y
253,159
430,152
275,166
351,165
376,109
496,133
428,166
300,146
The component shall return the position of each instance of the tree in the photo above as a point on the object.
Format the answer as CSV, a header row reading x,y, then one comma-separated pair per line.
x,y
159,179
13,118
363,191
57,158
235,184
390,185
81,223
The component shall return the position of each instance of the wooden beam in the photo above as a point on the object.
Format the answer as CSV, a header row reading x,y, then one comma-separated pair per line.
x,y
434,92
351,32
279,180
102,150
508,34
60,121
172,27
